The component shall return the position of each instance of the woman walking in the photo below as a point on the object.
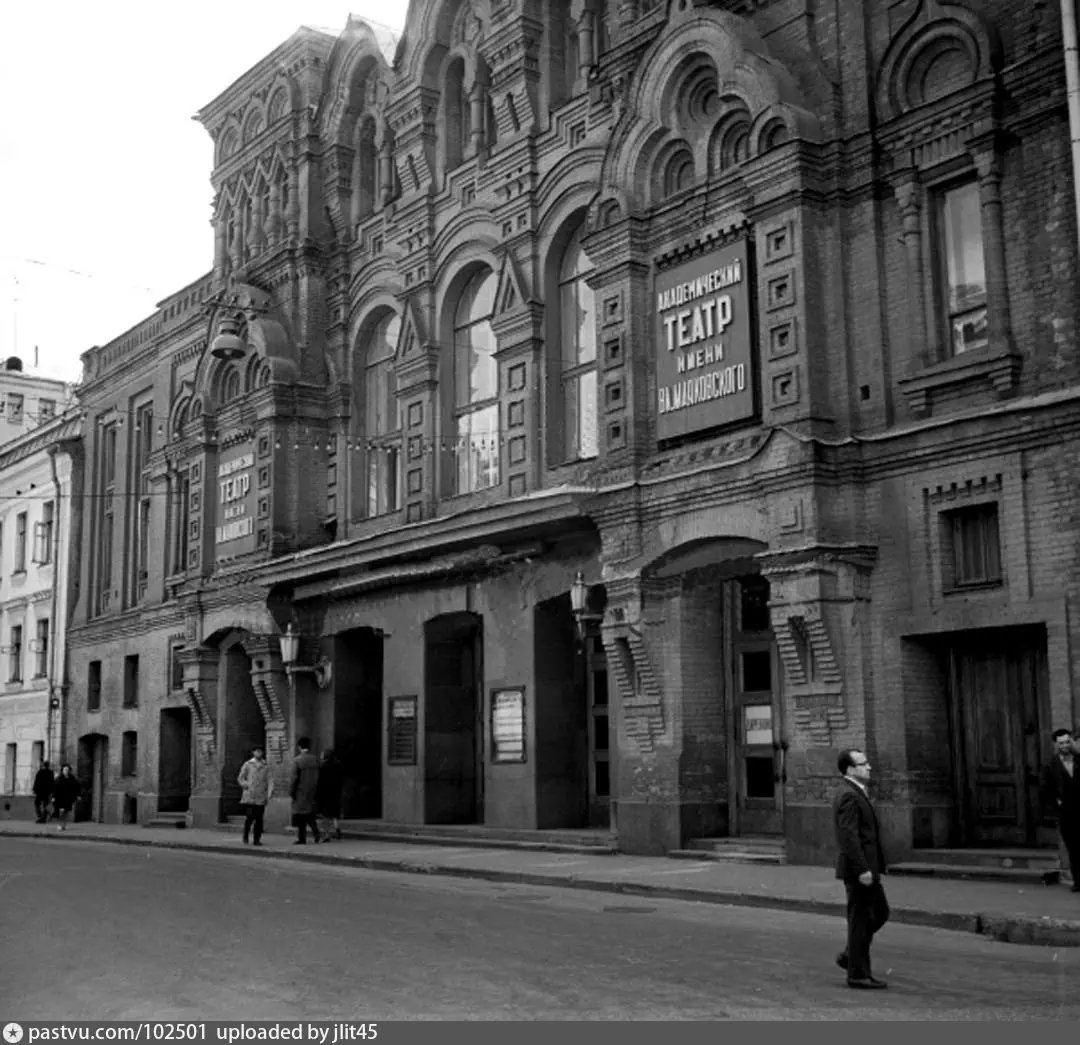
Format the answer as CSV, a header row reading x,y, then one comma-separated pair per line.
x,y
258,788
66,791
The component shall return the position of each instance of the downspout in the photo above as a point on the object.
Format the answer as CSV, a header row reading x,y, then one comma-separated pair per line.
x,y
55,705
1072,84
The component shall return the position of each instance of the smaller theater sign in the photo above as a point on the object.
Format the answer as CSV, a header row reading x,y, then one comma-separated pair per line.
x,y
235,530
704,354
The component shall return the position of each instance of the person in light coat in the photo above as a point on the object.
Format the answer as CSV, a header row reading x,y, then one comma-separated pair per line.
x,y
303,791
258,788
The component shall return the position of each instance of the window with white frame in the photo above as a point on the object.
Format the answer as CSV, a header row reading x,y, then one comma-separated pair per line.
x,y
43,534
382,418
41,649
15,646
962,268
577,318
20,542
476,386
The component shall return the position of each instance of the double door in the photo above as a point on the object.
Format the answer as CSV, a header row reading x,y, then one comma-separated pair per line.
x,y
754,727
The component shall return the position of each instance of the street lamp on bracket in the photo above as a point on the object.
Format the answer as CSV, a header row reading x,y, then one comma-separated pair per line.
x,y
322,669
579,606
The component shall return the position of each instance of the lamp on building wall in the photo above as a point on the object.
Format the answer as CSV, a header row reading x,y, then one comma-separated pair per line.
x,y
579,605
290,654
229,344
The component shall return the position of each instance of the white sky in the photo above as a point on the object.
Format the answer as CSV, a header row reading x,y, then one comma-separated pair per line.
x,y
104,176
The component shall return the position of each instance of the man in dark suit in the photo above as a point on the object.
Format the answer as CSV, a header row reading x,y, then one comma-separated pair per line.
x,y
1060,792
860,863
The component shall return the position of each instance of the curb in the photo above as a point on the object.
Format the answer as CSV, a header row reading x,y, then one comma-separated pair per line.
x,y
1040,932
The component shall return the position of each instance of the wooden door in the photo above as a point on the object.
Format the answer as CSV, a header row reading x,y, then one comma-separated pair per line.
x,y
998,692
754,718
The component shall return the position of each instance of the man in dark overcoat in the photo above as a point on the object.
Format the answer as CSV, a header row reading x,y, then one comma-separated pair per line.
x,y
860,863
303,791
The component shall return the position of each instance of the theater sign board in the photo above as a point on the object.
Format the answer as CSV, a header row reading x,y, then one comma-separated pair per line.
x,y
235,530
704,343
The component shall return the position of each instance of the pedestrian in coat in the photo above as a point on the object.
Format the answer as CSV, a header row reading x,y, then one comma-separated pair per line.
x,y
43,789
328,795
860,863
305,782
66,791
258,788
1060,790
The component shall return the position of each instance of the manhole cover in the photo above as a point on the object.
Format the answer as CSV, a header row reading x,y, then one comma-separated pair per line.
x,y
629,910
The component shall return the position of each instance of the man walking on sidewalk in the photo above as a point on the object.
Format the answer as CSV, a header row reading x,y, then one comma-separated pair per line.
x,y
305,782
43,789
1061,795
860,863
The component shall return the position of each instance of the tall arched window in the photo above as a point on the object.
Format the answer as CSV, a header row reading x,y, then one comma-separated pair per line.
x,y
456,115
382,419
577,319
476,386
366,190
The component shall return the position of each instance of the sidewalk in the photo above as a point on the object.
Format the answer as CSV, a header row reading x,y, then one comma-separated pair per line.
x,y
1031,914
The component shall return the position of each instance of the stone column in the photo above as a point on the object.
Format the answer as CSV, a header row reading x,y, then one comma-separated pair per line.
x,y
386,169
221,259
476,107
585,38
258,231
988,166
201,667
909,198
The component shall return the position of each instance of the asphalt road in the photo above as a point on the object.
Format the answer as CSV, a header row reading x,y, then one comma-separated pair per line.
x,y
108,932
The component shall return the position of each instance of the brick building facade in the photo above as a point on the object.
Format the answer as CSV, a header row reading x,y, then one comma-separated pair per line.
x,y
629,405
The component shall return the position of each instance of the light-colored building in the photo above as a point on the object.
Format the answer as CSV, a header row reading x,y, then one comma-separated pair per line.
x,y
40,482
28,400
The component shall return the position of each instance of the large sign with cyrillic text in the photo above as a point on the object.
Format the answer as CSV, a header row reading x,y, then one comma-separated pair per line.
x,y
704,344
234,533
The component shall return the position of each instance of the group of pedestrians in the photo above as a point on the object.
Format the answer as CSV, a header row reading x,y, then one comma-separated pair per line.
x,y
860,857
55,794
315,790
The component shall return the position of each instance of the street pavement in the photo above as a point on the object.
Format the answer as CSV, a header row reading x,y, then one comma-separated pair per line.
x,y
1019,913
113,932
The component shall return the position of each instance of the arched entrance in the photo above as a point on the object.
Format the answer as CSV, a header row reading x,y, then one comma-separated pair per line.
x,y
245,726
729,673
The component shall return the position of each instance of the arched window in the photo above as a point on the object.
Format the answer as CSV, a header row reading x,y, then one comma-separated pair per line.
x,y
382,419
577,329
456,114
476,386
231,386
679,174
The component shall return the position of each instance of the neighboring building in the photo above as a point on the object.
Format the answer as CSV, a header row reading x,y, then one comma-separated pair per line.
x,y
631,405
28,400
40,498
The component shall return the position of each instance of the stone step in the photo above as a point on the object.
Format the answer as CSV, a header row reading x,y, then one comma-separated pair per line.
x,y
728,856
743,845
173,820
230,823
976,872
477,842
1038,859
468,834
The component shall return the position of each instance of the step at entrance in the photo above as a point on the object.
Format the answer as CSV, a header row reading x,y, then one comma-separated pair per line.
x,y
566,840
745,850
174,820
1003,865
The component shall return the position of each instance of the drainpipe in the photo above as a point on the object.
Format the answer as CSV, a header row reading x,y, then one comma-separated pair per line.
x,y
54,713
1072,84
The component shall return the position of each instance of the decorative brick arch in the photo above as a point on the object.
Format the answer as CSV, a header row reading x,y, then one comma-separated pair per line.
x,y
675,70
942,47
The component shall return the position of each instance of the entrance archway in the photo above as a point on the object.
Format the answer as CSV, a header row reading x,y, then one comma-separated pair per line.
x,y
245,727
729,679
